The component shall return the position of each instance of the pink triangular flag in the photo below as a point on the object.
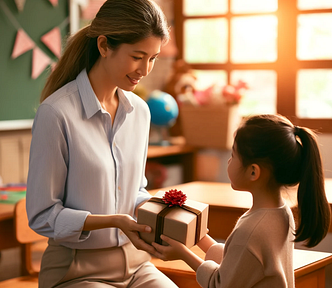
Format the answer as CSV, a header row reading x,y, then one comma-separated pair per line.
x,y
23,43
39,62
20,4
52,40
54,2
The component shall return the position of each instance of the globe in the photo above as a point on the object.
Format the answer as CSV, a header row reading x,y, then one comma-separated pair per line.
x,y
163,107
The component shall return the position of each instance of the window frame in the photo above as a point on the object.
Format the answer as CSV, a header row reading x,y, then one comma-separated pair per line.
x,y
286,65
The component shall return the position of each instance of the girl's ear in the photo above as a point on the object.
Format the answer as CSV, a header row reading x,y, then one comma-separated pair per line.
x,y
102,45
255,172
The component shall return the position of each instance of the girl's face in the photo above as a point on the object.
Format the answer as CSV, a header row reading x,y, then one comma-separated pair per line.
x,y
126,66
236,171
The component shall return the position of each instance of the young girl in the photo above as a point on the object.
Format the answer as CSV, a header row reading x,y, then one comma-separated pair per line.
x,y
268,153
89,149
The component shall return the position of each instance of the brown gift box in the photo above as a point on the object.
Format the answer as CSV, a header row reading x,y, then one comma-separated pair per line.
x,y
178,223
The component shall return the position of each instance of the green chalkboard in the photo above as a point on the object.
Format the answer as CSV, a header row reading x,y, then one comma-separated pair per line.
x,y
19,93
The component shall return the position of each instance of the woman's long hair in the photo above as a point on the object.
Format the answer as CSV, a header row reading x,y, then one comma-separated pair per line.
x,y
122,22
293,156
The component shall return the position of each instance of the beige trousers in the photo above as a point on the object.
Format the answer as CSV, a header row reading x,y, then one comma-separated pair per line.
x,y
118,267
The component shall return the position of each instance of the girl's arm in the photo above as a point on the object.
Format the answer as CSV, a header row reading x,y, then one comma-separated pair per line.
x,y
177,250
206,242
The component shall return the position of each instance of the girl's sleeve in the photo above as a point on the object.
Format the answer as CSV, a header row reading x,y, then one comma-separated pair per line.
x,y
47,180
239,268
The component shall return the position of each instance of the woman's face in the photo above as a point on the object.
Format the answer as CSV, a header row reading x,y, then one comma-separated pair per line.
x,y
127,65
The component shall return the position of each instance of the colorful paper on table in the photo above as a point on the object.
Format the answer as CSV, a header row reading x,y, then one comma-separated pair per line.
x,y
11,197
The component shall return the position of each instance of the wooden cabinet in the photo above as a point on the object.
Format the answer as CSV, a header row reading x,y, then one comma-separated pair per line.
x,y
177,153
14,155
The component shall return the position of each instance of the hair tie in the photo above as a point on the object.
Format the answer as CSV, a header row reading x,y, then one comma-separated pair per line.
x,y
297,130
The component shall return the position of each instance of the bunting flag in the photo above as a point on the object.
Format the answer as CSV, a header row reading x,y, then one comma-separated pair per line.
x,y
52,40
54,2
39,62
23,43
20,5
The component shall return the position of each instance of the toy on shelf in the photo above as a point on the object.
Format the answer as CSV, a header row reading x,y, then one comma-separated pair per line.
x,y
164,112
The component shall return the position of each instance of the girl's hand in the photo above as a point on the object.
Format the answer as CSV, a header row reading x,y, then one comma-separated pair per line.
x,y
130,227
176,250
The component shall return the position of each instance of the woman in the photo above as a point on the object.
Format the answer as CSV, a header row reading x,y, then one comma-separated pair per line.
x,y
89,149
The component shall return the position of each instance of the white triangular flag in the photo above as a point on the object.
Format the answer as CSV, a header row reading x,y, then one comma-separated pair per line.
x,y
52,40
39,62
23,43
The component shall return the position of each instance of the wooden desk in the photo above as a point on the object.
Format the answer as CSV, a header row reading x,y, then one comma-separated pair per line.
x,y
309,269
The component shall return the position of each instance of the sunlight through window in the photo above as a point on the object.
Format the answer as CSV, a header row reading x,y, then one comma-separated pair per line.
x,y
314,90
314,37
254,39
208,78
260,98
253,6
205,7
206,40
314,4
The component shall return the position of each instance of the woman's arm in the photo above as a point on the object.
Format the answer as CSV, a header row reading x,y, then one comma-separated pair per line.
x,y
124,222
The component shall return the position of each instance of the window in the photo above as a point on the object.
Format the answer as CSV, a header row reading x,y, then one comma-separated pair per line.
x,y
281,49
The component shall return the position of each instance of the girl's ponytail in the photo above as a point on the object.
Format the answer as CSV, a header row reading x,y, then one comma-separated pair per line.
x,y
71,63
313,207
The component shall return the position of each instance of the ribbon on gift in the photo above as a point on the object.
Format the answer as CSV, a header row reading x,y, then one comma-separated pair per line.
x,y
161,216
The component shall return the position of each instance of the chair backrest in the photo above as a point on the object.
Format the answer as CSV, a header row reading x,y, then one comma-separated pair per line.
x,y
28,238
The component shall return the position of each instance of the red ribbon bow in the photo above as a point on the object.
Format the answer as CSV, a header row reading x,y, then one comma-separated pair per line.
x,y
174,197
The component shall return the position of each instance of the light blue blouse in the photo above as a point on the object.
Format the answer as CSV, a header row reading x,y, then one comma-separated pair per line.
x,y
80,164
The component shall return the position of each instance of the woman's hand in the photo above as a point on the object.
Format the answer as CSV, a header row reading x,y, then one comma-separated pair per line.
x,y
130,227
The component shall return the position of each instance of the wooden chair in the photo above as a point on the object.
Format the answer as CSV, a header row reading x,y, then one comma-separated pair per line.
x,y
32,247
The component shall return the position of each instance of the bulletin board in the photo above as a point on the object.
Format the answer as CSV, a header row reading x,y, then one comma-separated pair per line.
x,y
20,83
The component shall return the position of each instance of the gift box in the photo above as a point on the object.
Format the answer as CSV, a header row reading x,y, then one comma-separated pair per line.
x,y
210,126
186,223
